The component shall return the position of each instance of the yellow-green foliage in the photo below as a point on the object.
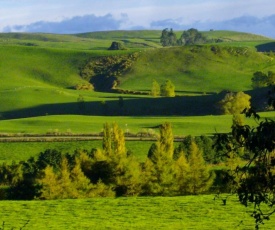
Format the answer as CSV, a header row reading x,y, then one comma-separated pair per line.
x,y
166,176
235,103
199,177
155,90
167,89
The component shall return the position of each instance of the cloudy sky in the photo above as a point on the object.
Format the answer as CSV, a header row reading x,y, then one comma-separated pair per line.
x,y
77,16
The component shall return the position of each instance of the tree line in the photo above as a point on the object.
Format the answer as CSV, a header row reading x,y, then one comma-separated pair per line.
x,y
112,170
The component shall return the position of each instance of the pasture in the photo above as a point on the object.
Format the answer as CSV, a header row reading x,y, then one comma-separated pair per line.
x,y
189,212
76,124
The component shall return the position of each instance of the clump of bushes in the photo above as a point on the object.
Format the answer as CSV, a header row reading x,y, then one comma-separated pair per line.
x,y
84,86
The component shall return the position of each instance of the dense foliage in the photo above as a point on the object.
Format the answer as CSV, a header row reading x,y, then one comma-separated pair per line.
x,y
235,103
261,79
110,171
253,181
103,72
167,89
188,37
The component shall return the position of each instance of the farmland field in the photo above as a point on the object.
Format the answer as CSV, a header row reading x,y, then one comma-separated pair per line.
x,y
22,151
182,125
189,212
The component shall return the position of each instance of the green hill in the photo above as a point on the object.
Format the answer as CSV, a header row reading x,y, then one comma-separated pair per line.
x,y
38,72
202,69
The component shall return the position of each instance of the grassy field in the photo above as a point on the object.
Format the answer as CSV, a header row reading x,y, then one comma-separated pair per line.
x,y
182,125
22,151
190,212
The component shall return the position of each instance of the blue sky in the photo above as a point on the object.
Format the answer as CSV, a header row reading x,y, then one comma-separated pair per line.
x,y
77,16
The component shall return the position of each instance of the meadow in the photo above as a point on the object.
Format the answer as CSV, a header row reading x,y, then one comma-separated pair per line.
x,y
188,212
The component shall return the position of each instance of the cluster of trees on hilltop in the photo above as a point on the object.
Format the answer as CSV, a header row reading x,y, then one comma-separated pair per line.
x,y
111,171
188,37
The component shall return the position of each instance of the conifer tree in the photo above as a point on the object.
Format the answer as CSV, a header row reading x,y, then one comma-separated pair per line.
x,y
50,185
80,182
65,182
182,173
200,178
160,165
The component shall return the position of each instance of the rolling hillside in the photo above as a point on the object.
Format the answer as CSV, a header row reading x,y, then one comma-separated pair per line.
x,y
39,71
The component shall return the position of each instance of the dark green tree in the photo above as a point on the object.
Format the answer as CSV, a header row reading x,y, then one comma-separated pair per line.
x,y
254,181
168,37
261,79
191,37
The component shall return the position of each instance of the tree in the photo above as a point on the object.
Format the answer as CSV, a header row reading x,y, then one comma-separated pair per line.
x,y
191,37
254,181
160,167
182,174
155,90
261,79
168,37
199,178
167,89
117,46
50,189
119,169
235,103
79,181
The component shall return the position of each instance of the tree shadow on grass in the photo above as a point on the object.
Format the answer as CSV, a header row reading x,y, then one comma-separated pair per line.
x,y
179,106
267,47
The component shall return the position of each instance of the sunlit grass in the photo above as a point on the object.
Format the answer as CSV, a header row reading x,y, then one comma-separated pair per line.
x,y
189,212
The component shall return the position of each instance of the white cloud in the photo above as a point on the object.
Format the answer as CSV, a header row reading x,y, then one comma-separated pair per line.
x,y
78,24
140,13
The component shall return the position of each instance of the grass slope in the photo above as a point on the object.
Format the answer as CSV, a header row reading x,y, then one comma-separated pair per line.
x,y
200,69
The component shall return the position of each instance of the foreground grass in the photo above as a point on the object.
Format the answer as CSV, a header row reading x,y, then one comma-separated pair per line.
x,y
189,212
